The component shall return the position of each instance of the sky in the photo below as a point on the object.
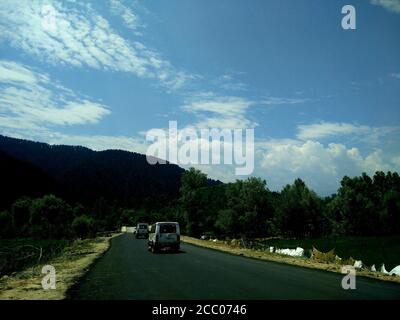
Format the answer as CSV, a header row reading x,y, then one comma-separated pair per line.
x,y
323,101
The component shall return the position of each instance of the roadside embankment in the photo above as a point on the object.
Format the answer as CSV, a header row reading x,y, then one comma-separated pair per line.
x,y
70,265
276,257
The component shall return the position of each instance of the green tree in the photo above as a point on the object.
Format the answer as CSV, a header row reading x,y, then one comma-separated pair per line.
x,y
354,208
192,180
250,201
248,209
226,222
367,206
128,217
50,217
84,227
299,211
78,210
389,204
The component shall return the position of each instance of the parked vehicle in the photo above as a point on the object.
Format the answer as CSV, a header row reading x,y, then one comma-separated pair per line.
x,y
142,230
164,235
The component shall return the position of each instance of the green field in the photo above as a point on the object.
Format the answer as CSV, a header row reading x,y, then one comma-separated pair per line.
x,y
371,250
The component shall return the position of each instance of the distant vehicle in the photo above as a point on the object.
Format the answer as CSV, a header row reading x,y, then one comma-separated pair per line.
x,y
130,229
142,230
164,235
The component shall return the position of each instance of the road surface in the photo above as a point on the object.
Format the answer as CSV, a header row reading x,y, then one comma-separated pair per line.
x,y
129,271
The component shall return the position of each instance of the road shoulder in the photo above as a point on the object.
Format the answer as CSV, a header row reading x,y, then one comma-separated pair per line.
x,y
273,257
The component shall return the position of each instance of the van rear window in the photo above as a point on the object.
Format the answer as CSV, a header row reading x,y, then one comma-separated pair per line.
x,y
168,228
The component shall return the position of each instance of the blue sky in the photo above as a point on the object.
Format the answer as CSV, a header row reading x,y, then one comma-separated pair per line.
x,y
324,101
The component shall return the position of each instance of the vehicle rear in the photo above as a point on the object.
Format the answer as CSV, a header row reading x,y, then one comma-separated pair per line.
x,y
164,235
142,230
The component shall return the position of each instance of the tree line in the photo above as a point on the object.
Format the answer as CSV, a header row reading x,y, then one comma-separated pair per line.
x,y
363,206
51,217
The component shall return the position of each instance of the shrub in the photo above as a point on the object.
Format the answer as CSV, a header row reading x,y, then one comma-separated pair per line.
x,y
6,227
50,217
20,215
84,227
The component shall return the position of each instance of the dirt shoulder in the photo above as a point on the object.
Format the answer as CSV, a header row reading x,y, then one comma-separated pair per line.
x,y
70,266
298,261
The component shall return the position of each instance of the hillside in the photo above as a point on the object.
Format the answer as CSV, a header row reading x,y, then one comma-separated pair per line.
x,y
80,174
20,178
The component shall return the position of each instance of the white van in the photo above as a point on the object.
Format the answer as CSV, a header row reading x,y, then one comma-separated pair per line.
x,y
142,230
164,235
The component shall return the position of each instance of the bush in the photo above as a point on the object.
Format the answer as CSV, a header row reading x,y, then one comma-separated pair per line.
x,y
84,227
50,218
6,227
20,213
226,222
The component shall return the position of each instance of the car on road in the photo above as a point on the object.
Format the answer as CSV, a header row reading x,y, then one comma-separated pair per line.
x,y
142,230
164,235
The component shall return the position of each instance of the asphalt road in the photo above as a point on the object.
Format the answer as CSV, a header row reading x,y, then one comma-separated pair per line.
x,y
129,271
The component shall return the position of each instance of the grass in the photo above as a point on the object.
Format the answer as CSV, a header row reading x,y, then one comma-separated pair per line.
x,y
17,254
71,263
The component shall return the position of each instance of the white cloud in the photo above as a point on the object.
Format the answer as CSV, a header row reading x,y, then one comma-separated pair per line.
x,y
214,111
239,122
226,106
322,167
395,75
327,129
334,129
31,99
390,5
13,125
12,72
129,17
230,83
220,112
222,173
74,34
271,101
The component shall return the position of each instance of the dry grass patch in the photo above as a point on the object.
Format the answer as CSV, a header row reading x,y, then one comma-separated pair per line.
x,y
70,265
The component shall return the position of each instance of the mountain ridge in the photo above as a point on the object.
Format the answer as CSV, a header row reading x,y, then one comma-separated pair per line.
x,y
84,175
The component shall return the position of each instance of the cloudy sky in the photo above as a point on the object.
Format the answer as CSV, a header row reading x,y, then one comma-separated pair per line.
x,y
324,102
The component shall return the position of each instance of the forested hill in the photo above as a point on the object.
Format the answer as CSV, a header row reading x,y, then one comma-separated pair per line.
x,y
83,175
19,178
